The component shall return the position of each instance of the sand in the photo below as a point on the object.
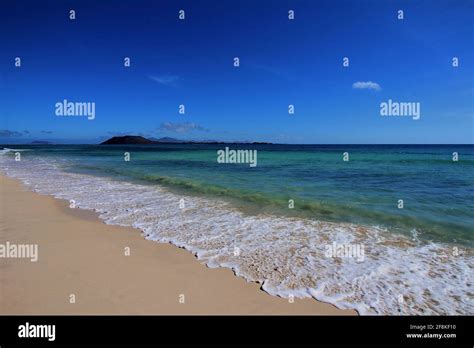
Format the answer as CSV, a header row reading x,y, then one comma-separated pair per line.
x,y
80,255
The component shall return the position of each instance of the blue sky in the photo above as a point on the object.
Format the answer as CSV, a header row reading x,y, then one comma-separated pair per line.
x,y
282,62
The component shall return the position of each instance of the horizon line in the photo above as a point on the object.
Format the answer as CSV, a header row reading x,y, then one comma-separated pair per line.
x,y
244,142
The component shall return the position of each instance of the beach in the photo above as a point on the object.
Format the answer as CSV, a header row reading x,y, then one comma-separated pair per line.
x,y
78,254
348,246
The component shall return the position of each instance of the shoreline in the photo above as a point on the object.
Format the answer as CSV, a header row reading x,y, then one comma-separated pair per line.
x,y
81,255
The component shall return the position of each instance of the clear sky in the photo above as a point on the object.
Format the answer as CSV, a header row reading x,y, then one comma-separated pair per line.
x,y
282,62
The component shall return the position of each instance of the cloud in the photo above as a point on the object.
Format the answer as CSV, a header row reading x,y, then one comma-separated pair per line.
x,y
185,127
46,132
118,134
366,85
6,133
265,68
166,80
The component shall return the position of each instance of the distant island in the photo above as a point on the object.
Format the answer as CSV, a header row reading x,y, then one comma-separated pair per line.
x,y
139,140
41,142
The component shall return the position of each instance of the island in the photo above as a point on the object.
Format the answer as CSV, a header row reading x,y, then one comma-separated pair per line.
x,y
139,140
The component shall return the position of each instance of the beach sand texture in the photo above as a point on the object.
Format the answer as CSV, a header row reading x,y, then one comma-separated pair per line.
x,y
78,254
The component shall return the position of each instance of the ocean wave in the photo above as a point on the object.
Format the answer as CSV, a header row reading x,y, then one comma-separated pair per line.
x,y
276,203
288,256
6,150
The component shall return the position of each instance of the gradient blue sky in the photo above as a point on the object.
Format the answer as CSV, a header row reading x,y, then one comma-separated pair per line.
x,y
283,62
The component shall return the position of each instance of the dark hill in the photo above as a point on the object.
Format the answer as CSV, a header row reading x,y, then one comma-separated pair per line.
x,y
167,140
40,142
127,140
138,140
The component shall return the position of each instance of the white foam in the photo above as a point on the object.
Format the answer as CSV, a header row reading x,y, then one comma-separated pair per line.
x,y
6,150
286,255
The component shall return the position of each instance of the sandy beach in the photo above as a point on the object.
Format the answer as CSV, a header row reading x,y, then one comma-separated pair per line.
x,y
80,255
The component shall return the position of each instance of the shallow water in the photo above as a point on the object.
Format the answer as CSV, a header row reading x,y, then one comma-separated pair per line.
x,y
416,260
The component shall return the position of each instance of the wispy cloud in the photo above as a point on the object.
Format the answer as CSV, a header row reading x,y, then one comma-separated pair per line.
x,y
118,134
276,72
265,68
366,85
185,127
166,80
6,133
46,132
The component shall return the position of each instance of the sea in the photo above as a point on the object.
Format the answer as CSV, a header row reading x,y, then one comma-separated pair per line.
x,y
382,229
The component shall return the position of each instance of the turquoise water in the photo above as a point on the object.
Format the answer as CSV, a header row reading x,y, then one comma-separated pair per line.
x,y
438,193
180,194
